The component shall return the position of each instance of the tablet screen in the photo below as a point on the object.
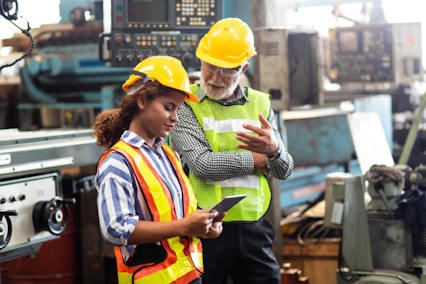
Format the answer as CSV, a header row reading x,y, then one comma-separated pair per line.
x,y
228,202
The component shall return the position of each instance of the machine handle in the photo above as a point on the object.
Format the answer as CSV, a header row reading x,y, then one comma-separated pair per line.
x,y
101,45
52,215
9,9
6,228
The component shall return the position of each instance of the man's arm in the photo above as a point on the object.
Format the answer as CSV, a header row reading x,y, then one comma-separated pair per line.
x,y
191,144
281,167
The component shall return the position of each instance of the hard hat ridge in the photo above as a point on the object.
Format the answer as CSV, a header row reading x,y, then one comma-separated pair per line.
x,y
167,70
228,44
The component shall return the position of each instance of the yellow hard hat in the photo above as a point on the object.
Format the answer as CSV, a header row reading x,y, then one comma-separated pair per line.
x,y
228,44
167,70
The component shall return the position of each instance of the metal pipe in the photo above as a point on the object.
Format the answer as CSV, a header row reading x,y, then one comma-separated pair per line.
x,y
412,134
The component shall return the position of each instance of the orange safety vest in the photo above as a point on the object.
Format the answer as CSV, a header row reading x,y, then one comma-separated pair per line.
x,y
184,261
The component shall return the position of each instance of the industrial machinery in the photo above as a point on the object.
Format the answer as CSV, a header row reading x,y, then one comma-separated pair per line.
x,y
291,55
375,53
33,209
78,67
33,206
65,77
139,29
376,59
378,244
9,10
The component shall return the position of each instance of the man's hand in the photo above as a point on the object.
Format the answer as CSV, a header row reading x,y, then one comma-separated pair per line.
x,y
263,140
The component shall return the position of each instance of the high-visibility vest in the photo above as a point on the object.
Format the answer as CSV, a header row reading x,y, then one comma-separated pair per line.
x,y
184,261
219,124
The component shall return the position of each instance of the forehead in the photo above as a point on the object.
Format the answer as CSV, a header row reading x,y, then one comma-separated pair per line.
x,y
173,96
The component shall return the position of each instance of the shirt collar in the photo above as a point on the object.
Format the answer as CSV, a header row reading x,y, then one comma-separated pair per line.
x,y
240,98
137,141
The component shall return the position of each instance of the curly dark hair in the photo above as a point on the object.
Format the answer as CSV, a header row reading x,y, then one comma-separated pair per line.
x,y
110,124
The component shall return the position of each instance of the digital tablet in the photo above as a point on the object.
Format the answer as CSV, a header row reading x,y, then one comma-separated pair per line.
x,y
228,202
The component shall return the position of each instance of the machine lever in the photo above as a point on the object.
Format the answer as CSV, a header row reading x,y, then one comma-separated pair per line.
x,y
6,227
8,213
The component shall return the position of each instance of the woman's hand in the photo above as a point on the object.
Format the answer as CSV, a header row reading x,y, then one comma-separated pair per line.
x,y
198,223
216,228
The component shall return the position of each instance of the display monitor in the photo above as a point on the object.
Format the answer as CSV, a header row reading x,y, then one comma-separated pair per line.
x,y
155,11
164,15
349,41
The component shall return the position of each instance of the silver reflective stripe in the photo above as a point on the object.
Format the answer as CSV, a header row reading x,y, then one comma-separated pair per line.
x,y
244,181
231,125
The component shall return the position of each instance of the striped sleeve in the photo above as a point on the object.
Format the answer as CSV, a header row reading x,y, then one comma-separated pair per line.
x,y
116,200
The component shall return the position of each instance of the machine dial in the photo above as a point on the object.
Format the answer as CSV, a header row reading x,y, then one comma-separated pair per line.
x,y
51,215
6,227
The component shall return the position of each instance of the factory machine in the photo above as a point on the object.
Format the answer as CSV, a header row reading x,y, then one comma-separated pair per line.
x,y
77,67
381,59
64,83
383,238
375,53
381,210
139,29
33,209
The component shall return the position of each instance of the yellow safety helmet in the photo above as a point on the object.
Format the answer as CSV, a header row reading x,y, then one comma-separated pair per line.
x,y
228,44
167,70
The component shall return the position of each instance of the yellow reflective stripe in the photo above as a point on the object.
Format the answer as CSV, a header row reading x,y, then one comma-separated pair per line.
x,y
196,253
124,277
183,267
156,192
193,203
220,124
229,125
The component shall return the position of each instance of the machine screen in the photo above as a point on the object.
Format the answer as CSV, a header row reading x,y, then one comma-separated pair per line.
x,y
348,42
144,28
148,11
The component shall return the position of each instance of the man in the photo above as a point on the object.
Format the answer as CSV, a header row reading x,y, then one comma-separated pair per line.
x,y
230,145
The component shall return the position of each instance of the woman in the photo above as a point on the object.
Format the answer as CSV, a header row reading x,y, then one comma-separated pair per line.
x,y
146,206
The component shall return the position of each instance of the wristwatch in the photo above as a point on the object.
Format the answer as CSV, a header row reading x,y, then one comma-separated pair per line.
x,y
276,156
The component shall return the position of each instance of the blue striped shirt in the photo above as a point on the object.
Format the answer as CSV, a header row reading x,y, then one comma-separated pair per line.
x,y
120,201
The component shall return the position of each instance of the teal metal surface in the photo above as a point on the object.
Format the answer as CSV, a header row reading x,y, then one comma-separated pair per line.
x,y
378,103
239,9
318,137
307,183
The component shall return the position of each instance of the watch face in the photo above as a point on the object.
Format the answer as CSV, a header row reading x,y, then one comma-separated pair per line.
x,y
277,155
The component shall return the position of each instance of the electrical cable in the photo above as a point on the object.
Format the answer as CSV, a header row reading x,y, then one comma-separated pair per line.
x,y
26,54
340,263
312,232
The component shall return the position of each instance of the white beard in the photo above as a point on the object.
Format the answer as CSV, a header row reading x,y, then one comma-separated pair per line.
x,y
218,94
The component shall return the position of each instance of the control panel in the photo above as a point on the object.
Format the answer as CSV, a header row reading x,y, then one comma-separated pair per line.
x,y
31,212
376,53
140,29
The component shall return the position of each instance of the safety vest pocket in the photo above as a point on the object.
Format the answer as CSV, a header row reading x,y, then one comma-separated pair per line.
x,y
148,254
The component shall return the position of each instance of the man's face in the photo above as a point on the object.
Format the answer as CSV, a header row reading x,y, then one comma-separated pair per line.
x,y
219,83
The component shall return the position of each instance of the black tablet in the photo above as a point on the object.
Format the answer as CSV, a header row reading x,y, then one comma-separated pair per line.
x,y
228,202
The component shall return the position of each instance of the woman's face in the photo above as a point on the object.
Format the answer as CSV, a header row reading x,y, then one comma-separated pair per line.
x,y
158,116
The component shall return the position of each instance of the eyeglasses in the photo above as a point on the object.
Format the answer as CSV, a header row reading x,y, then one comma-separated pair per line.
x,y
225,72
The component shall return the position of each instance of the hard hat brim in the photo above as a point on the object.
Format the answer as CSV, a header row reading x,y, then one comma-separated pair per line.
x,y
190,97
